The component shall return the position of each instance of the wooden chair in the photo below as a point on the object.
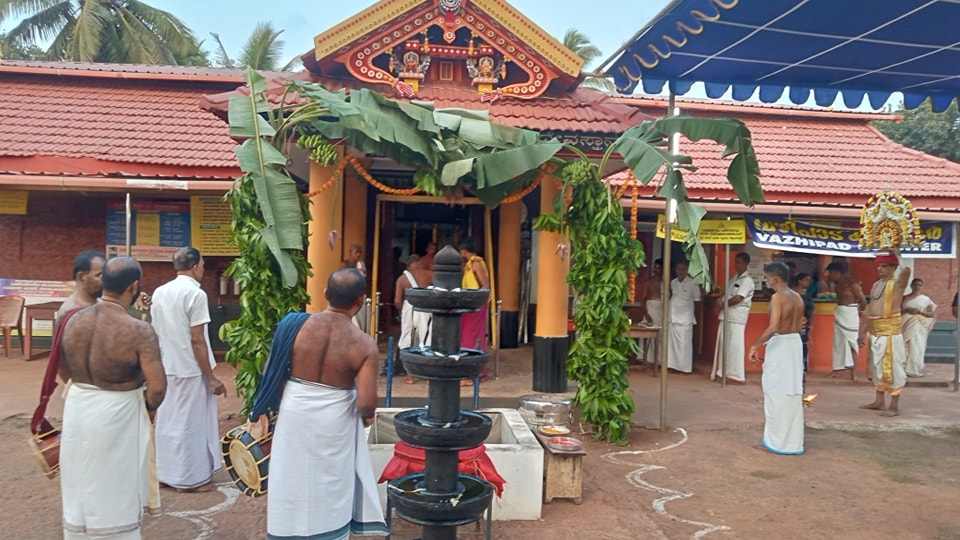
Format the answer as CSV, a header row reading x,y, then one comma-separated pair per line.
x,y
11,316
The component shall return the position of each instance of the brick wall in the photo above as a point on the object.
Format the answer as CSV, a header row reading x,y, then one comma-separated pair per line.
x,y
939,283
59,225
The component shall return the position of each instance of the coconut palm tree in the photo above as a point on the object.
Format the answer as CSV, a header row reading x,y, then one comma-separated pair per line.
x,y
261,51
120,31
580,44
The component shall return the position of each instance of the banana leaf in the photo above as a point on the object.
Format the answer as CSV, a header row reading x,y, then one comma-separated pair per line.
x,y
277,193
743,171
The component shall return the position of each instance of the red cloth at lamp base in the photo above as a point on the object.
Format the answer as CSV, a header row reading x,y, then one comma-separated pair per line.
x,y
409,459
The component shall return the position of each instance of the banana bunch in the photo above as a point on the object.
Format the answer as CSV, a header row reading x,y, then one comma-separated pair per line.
x,y
321,151
577,171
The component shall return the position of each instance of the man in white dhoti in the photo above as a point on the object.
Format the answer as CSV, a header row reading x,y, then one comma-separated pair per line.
x,y
684,294
782,379
321,478
730,350
846,318
105,468
414,325
652,298
917,319
187,430
887,355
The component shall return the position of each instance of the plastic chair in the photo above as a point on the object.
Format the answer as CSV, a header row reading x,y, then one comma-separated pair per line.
x,y
11,317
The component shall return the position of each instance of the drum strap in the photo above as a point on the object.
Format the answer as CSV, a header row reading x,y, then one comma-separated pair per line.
x,y
39,424
277,370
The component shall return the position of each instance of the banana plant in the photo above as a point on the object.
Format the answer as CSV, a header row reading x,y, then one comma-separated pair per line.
x,y
451,149
603,254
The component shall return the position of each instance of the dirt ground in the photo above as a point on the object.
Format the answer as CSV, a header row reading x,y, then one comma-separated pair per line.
x,y
862,477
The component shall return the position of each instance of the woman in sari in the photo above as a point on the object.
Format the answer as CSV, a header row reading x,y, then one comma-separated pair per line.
x,y
917,319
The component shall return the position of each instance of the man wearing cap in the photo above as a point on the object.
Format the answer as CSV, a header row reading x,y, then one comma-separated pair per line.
x,y
886,352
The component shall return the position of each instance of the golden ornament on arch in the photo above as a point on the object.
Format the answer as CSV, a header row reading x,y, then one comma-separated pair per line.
x,y
889,220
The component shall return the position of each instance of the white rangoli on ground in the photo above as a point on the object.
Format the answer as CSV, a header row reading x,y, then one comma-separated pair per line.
x,y
635,479
203,518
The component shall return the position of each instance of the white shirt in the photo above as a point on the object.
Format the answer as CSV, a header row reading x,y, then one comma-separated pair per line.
x,y
682,296
741,285
178,306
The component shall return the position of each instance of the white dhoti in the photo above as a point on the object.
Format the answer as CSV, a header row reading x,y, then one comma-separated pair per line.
x,y
846,327
730,343
887,363
321,478
680,354
413,322
916,329
187,434
105,466
782,383
655,313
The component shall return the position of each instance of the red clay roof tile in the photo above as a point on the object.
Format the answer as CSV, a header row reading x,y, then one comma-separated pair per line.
x,y
818,159
111,126
583,111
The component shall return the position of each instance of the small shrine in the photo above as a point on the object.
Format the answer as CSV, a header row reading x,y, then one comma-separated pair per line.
x,y
410,44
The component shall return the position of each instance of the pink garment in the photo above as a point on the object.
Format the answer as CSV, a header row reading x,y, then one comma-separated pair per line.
x,y
473,329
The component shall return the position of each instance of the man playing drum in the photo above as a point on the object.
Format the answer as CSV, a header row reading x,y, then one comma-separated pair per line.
x,y
105,449
321,478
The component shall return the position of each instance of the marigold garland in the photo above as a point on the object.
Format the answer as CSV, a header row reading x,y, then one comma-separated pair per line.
x,y
633,234
373,181
342,166
630,181
516,196
329,183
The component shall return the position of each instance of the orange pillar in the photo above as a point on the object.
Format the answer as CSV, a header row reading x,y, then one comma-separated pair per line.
x,y
355,215
550,342
508,273
326,211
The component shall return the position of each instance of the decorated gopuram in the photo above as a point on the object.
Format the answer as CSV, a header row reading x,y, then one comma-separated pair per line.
x,y
480,55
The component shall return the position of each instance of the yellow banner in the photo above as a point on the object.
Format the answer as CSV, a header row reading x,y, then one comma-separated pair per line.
x,y
148,229
13,202
210,226
712,231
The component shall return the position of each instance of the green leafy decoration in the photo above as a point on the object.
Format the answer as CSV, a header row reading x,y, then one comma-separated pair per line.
x,y
603,257
265,298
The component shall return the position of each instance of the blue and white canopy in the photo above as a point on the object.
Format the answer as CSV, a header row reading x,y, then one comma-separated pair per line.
x,y
856,48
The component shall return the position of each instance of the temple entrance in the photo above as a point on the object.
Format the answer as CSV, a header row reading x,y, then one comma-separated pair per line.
x,y
404,225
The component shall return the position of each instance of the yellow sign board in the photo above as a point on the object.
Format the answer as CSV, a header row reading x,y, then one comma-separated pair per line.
x,y
210,218
13,202
712,231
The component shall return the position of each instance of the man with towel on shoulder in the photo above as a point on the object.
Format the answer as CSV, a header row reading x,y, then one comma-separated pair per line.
x,y
846,319
118,380
782,379
887,355
321,477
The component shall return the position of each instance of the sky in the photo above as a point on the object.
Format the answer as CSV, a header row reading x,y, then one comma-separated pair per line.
x,y
608,23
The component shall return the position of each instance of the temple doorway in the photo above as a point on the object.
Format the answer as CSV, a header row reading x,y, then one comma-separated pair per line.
x,y
404,225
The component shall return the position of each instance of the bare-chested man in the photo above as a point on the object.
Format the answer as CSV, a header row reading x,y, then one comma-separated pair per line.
x,y
414,325
846,318
887,355
105,449
782,379
319,446
429,254
87,275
